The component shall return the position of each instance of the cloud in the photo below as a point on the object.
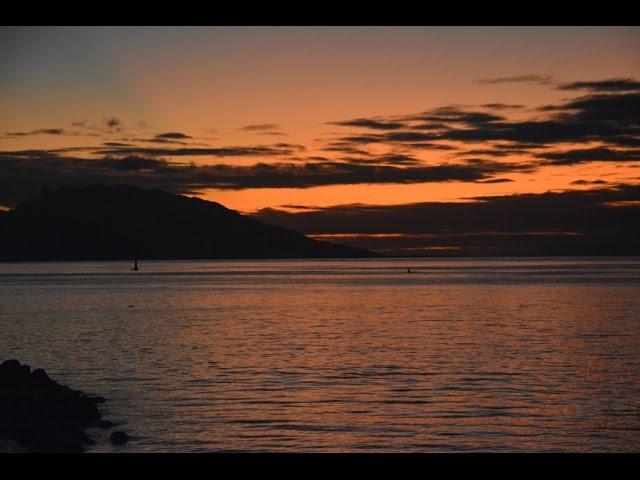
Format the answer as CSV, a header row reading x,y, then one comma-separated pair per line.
x,y
496,180
605,118
259,127
40,131
611,119
531,78
583,155
127,164
502,106
292,146
113,123
470,143
173,136
232,151
610,85
263,129
575,222
453,114
571,210
272,133
27,171
160,140
369,123
116,144
589,182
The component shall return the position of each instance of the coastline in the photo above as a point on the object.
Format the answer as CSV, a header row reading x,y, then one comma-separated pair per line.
x,y
39,415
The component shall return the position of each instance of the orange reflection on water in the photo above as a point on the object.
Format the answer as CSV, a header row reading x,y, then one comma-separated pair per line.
x,y
517,355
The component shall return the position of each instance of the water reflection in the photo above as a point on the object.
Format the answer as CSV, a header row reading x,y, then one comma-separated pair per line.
x,y
465,354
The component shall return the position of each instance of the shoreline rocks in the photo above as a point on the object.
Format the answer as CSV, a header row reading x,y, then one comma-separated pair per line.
x,y
119,438
37,414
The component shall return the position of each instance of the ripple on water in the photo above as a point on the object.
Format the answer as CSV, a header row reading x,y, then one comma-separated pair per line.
x,y
466,355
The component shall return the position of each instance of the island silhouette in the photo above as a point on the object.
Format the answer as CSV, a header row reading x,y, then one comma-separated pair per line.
x,y
100,222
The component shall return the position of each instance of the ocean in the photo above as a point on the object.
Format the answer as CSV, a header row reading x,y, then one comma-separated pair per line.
x,y
491,355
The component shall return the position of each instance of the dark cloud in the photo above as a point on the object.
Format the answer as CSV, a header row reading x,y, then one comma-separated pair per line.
x,y
292,146
390,158
116,144
272,133
616,109
572,210
370,123
605,120
233,151
173,136
591,118
452,114
113,123
583,155
25,173
345,148
496,180
578,222
612,119
531,78
590,182
40,131
491,152
362,139
610,85
625,141
258,127
160,140
127,164
502,106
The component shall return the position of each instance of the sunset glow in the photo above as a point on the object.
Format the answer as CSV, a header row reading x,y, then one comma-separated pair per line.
x,y
270,118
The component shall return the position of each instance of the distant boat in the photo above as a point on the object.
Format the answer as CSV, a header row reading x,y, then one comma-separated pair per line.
x,y
135,265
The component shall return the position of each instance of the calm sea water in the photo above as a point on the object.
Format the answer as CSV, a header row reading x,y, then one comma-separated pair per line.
x,y
354,355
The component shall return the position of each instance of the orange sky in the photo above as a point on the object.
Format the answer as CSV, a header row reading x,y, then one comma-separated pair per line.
x,y
209,83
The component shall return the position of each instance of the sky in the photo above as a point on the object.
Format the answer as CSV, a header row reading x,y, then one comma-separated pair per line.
x,y
391,138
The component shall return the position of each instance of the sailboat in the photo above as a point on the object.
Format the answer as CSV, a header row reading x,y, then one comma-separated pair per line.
x,y
135,265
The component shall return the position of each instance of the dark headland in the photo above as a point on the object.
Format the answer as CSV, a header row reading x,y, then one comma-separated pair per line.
x,y
37,414
123,222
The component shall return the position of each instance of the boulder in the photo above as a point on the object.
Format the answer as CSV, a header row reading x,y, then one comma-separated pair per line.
x,y
119,438
41,415
93,399
104,424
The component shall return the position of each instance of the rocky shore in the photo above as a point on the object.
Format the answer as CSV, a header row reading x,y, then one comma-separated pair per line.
x,y
37,414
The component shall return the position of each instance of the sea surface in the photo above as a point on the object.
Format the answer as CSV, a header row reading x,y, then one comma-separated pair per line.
x,y
494,355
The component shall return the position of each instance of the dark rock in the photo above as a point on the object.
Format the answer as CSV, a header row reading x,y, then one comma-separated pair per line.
x,y
105,424
95,399
41,415
119,438
86,439
12,374
40,379
40,375
12,364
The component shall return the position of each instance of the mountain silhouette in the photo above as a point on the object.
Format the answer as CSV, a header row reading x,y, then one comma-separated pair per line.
x,y
124,222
